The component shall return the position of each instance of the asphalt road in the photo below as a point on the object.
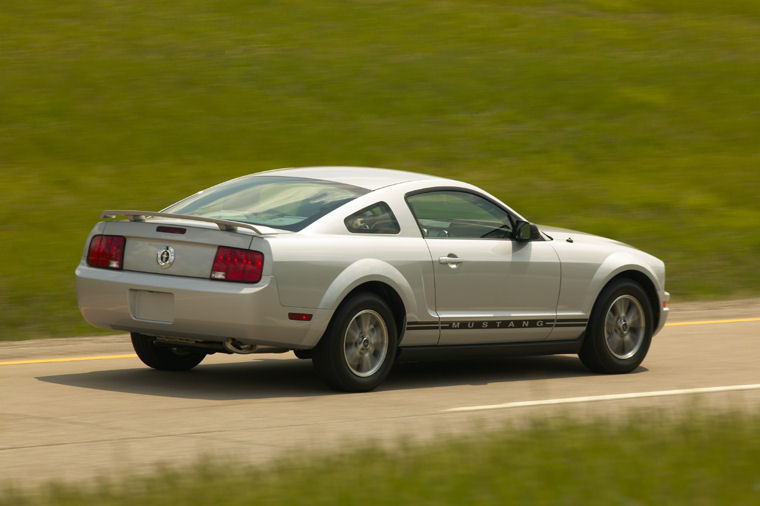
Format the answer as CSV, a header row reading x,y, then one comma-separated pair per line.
x,y
77,408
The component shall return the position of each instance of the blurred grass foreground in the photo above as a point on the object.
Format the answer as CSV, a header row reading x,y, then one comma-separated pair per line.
x,y
638,120
652,459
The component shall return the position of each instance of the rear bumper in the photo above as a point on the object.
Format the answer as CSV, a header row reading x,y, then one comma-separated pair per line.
x,y
175,306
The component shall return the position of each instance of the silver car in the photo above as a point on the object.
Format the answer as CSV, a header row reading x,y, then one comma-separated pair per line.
x,y
348,266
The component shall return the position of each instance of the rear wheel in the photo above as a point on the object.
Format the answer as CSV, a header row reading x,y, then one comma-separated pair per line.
x,y
358,349
164,358
303,354
620,329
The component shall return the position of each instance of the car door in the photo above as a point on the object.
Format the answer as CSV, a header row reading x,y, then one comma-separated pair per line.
x,y
489,288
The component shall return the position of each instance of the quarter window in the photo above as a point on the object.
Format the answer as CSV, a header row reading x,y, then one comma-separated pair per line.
x,y
375,219
459,215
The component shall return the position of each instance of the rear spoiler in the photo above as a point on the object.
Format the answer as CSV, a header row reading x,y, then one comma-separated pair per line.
x,y
225,225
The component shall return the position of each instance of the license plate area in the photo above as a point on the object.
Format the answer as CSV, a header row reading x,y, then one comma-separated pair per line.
x,y
156,307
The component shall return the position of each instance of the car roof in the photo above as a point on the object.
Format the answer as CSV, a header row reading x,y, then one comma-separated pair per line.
x,y
370,178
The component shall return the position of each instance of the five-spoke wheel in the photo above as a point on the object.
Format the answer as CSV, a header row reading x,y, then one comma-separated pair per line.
x,y
357,351
620,329
624,327
365,343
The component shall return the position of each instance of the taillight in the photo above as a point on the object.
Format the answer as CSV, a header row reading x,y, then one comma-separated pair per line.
x,y
106,251
232,264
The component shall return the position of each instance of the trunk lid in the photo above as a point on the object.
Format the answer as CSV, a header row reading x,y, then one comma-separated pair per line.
x,y
190,253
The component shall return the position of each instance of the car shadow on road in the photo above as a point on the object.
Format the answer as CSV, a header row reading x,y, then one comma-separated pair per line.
x,y
440,369
272,378
257,379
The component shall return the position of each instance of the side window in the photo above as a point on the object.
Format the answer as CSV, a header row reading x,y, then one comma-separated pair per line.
x,y
375,219
459,215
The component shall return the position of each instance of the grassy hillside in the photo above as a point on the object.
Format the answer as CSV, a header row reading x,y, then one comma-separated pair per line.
x,y
700,460
639,120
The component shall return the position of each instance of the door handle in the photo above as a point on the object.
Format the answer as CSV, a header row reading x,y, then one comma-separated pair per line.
x,y
452,260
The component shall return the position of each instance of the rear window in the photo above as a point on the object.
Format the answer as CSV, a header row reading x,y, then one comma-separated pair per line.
x,y
287,203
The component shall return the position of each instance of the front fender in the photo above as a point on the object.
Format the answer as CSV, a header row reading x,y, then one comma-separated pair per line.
x,y
612,266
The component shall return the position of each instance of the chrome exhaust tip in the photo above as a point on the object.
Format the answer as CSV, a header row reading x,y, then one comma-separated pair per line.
x,y
235,346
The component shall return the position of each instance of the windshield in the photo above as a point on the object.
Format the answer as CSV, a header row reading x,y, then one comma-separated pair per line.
x,y
288,203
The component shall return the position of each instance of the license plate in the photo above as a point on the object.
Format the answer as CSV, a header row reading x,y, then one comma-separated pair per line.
x,y
152,306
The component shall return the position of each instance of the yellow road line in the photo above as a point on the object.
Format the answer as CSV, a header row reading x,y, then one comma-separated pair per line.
x,y
711,322
66,359
132,355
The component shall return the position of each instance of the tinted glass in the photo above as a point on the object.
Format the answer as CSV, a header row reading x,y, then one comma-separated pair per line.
x,y
375,219
459,215
280,202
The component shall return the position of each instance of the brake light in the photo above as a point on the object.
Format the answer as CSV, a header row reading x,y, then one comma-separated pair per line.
x,y
171,230
106,251
232,264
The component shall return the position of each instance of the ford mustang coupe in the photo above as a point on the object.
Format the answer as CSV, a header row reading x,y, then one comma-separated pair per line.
x,y
348,265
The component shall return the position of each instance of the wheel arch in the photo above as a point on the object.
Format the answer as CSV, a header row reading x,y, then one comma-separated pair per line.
x,y
374,276
389,295
646,284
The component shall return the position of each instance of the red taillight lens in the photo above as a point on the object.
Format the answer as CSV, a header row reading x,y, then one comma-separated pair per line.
x,y
106,251
171,230
232,264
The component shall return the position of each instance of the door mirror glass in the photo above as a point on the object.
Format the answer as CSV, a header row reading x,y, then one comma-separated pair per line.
x,y
525,231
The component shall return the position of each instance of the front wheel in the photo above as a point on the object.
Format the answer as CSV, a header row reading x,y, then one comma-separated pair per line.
x,y
620,329
164,358
303,354
358,349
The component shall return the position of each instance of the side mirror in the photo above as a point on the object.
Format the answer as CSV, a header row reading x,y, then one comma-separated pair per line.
x,y
525,231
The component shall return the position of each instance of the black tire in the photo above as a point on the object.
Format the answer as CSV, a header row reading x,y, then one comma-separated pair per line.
x,y
620,329
303,354
359,347
164,358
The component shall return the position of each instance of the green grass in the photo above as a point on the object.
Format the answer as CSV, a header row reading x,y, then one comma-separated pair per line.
x,y
634,119
695,460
